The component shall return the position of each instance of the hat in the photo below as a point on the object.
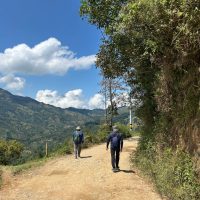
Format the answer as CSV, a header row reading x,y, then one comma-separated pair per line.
x,y
78,128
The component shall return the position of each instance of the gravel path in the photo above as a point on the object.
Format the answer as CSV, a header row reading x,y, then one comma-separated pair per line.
x,y
87,178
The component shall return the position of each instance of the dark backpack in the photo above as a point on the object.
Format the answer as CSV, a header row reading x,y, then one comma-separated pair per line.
x,y
76,138
115,141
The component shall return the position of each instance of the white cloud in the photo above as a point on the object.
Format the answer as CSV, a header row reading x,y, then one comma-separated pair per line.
x,y
12,83
72,98
47,57
96,101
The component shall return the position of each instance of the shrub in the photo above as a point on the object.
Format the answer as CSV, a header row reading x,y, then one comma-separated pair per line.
x,y
65,148
102,134
10,152
173,172
125,130
1,178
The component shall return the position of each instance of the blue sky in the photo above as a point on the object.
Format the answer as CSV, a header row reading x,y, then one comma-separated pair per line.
x,y
47,52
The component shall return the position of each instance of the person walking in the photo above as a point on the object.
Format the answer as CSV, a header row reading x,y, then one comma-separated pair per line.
x,y
78,139
116,140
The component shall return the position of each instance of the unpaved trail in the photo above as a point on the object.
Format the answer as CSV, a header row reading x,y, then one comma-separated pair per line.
x,y
87,178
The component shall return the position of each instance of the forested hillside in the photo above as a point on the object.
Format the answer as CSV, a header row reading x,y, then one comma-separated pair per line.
x,y
154,45
33,123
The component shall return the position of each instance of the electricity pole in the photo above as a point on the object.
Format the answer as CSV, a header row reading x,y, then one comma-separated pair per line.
x,y
130,109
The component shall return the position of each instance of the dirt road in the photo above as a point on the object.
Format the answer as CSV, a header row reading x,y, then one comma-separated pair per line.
x,y
87,178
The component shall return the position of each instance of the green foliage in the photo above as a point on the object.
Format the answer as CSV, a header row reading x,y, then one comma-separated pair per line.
x,y
101,135
98,136
154,46
124,129
63,149
172,171
101,12
103,132
1,181
10,151
28,165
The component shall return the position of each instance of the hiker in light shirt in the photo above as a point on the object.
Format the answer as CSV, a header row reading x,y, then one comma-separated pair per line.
x,y
78,139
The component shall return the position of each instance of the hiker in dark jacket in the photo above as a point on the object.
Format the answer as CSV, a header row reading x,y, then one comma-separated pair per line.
x,y
78,139
116,140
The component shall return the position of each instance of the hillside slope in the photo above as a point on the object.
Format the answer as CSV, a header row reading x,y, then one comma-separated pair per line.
x,y
32,122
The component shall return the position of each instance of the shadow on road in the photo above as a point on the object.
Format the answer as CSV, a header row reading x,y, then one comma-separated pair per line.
x,y
85,156
126,171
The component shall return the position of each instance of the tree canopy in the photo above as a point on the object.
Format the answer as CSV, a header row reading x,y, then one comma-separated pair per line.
x,y
155,46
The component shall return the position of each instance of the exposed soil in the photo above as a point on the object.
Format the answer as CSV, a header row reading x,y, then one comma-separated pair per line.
x,y
86,178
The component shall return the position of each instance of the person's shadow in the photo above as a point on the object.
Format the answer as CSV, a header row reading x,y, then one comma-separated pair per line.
x,y
85,156
126,171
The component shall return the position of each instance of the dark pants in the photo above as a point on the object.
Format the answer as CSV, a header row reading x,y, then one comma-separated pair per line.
x,y
115,157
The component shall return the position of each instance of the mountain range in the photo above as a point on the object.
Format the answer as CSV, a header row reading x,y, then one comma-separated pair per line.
x,y
33,123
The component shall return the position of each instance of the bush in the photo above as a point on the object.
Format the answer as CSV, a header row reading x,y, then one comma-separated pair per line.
x,y
65,148
10,152
1,178
125,130
102,134
173,173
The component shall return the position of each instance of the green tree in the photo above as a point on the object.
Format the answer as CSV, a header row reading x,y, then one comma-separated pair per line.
x,y
10,151
154,45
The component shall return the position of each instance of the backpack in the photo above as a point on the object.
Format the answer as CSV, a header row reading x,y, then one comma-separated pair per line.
x,y
76,138
115,141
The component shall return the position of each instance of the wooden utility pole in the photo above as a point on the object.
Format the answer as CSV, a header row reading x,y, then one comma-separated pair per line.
x,y
46,148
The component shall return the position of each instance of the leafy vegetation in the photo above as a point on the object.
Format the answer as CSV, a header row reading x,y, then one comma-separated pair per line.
x,y
173,172
154,45
1,181
28,165
10,151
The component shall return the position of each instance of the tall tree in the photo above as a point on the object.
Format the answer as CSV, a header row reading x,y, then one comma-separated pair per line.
x,y
112,90
154,44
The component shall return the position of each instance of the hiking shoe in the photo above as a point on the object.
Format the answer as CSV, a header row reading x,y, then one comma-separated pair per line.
x,y
117,169
114,169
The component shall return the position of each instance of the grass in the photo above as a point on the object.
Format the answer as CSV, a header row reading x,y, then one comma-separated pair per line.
x,y
14,170
135,133
173,172
31,164
1,180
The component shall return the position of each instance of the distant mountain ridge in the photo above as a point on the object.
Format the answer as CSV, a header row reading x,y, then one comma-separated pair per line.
x,y
33,122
